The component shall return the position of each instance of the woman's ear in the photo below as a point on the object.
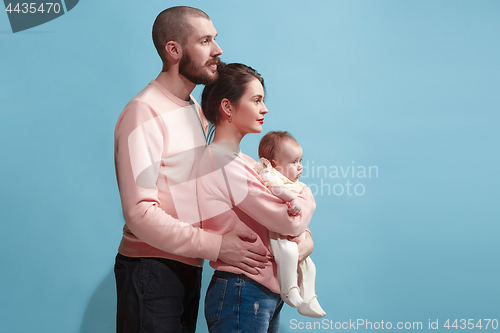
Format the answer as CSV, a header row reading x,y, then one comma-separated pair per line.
x,y
226,107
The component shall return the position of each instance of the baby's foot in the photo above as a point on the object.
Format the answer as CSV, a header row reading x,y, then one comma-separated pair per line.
x,y
292,297
312,309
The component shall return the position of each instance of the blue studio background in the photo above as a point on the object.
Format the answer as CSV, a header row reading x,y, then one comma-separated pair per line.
x,y
408,90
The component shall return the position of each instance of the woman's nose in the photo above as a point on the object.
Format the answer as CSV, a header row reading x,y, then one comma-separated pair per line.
x,y
264,109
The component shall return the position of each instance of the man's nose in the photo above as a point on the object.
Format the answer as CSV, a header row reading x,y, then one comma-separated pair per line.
x,y
216,51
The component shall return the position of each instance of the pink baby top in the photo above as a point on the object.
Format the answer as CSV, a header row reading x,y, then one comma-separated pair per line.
x,y
231,196
158,141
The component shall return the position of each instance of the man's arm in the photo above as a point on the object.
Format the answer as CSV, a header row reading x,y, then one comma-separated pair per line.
x,y
139,141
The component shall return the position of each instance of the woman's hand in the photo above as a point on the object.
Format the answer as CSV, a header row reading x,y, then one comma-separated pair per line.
x,y
306,246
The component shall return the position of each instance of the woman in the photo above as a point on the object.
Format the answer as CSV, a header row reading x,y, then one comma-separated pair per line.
x,y
232,197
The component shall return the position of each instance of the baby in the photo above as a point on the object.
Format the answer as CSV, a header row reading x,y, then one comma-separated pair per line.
x,y
280,167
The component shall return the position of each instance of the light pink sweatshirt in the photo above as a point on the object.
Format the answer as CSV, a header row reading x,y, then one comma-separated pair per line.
x,y
232,196
158,141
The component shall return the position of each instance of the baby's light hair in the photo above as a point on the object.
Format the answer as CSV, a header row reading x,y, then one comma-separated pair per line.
x,y
270,143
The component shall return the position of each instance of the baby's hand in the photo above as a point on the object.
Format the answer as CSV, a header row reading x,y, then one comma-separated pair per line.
x,y
295,208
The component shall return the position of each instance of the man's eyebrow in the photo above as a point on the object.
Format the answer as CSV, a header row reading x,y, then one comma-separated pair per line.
x,y
208,36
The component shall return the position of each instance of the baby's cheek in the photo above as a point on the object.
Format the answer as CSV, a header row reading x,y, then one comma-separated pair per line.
x,y
280,169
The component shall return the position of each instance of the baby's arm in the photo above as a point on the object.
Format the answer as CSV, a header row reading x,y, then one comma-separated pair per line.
x,y
283,193
288,196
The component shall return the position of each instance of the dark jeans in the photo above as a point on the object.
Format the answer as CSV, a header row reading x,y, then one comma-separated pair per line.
x,y
156,295
236,303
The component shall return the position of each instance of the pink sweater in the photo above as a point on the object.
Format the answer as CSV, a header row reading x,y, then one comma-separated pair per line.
x,y
231,196
158,141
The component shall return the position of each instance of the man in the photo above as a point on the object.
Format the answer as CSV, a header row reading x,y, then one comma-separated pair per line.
x,y
157,139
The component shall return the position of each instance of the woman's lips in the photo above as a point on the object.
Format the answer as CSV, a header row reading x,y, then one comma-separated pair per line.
x,y
261,120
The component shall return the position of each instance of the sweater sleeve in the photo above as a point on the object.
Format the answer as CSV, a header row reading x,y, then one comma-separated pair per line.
x,y
139,146
271,211
233,182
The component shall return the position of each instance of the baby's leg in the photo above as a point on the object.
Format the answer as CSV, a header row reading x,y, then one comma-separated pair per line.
x,y
286,255
307,277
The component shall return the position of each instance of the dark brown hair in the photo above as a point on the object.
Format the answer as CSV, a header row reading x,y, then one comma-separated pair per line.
x,y
231,84
270,143
172,24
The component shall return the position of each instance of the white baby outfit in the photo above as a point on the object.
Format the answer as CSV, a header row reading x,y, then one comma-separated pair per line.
x,y
286,253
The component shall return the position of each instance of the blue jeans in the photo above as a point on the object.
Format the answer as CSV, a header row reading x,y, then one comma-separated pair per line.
x,y
236,303
156,295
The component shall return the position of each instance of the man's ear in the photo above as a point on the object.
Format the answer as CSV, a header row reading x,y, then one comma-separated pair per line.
x,y
173,50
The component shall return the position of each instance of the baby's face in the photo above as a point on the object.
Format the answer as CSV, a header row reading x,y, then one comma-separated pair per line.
x,y
289,160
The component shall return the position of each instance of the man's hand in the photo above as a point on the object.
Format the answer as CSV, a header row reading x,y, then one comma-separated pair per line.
x,y
237,250
306,246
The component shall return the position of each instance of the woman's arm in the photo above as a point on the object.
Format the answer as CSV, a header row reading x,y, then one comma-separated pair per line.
x,y
305,245
234,183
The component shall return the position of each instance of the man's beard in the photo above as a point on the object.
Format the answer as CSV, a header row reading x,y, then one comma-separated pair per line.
x,y
196,73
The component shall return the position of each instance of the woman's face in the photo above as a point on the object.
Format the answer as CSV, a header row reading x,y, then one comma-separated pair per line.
x,y
248,114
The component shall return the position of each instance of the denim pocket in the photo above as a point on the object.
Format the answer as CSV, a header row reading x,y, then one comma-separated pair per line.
x,y
214,299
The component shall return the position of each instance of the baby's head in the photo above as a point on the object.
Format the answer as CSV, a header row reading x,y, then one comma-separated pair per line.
x,y
284,153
